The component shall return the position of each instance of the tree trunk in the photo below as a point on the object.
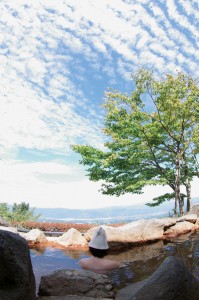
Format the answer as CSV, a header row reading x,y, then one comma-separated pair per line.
x,y
178,198
175,207
187,185
181,206
188,190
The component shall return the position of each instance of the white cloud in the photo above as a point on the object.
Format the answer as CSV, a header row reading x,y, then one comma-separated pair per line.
x,y
80,27
54,56
181,19
57,185
32,121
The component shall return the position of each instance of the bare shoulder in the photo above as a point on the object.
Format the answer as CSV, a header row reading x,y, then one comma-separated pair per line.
x,y
112,263
94,263
83,262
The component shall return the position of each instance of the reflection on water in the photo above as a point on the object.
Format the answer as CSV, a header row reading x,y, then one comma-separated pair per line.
x,y
138,262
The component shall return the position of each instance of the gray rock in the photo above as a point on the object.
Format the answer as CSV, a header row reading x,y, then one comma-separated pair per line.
x,y
171,281
76,282
70,297
17,280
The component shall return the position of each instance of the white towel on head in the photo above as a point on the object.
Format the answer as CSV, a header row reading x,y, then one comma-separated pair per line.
x,y
99,240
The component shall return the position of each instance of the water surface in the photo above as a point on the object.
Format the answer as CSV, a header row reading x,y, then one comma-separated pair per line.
x,y
138,262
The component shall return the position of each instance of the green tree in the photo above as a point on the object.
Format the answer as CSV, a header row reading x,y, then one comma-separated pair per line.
x,y
22,212
4,211
19,212
23,207
153,138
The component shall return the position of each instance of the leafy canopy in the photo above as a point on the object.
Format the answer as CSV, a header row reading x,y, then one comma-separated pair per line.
x,y
152,135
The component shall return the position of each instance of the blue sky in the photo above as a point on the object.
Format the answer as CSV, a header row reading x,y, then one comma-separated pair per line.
x,y
57,59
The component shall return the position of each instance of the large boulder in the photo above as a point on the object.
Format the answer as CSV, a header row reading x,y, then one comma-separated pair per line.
x,y
17,280
171,281
189,218
76,282
36,236
72,238
143,231
179,228
135,232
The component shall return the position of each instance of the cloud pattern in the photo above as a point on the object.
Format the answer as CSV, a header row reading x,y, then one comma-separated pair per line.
x,y
58,57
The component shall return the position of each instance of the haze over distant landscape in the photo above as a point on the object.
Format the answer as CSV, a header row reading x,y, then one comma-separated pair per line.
x,y
57,59
107,215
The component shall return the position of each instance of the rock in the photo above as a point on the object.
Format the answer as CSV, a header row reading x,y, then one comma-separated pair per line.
x,y
11,229
143,231
72,238
76,282
17,280
23,234
70,297
52,238
3,222
171,281
36,235
135,232
194,210
179,228
166,222
189,218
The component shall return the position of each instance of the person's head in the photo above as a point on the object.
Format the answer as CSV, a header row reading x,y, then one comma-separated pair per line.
x,y
98,252
98,245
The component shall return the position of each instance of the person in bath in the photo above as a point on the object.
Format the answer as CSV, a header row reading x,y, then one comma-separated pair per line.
x,y
98,247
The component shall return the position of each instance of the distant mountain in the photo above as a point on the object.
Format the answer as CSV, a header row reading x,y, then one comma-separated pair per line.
x,y
106,214
91,213
111,214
